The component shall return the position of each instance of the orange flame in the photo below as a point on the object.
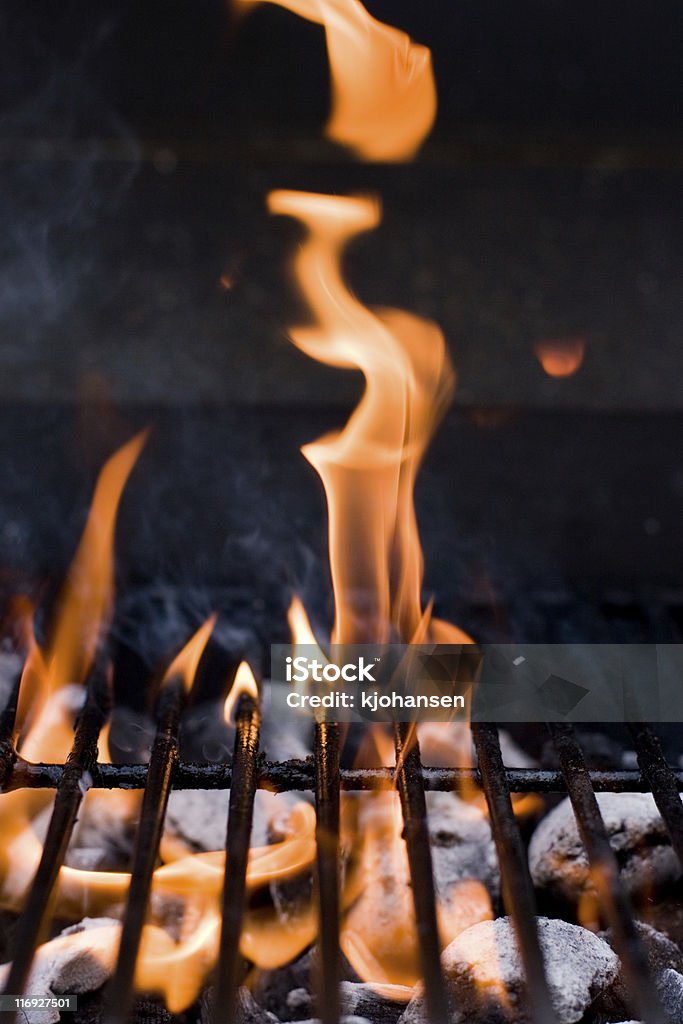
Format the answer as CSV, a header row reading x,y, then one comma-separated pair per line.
x,y
244,682
383,90
299,625
368,469
184,665
86,598
84,613
379,936
561,357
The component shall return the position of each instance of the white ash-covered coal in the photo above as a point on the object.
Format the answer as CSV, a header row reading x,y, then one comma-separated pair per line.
x,y
637,834
485,976
79,960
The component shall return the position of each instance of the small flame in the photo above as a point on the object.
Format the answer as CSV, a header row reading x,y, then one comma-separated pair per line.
x,y
383,89
244,682
184,665
299,625
561,357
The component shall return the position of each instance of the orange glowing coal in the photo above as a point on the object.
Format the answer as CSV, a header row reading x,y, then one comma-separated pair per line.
x,y
244,682
383,90
561,357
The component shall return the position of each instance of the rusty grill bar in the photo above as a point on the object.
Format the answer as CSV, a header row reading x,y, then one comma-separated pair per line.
x,y
412,794
152,815
240,818
605,874
518,892
322,774
299,776
70,792
327,843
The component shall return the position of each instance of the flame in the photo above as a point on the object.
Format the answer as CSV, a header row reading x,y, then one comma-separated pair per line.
x,y
383,89
299,625
379,937
87,595
368,469
184,665
244,682
84,611
178,969
51,686
561,357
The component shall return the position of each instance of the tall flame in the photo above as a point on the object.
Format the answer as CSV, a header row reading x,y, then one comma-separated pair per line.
x,y
51,689
86,598
369,468
383,90
83,615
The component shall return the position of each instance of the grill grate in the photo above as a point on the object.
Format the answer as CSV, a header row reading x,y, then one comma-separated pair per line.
x,y
154,803
240,817
322,774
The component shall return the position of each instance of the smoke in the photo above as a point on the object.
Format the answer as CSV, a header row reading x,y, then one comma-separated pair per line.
x,y
66,160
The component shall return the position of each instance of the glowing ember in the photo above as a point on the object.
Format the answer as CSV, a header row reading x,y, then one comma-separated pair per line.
x,y
383,90
561,357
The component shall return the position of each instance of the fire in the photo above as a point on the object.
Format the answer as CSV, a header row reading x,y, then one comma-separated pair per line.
x,y
299,626
383,106
184,665
369,468
383,89
244,682
379,936
51,686
84,612
561,357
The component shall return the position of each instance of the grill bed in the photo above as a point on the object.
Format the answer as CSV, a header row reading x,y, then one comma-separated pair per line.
x,y
321,773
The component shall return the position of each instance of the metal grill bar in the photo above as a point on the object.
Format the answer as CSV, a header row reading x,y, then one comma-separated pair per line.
x,y
82,759
518,891
605,874
8,717
299,776
154,803
240,818
327,880
663,782
416,832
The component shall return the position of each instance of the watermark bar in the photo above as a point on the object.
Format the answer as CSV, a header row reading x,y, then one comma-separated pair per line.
x,y
492,683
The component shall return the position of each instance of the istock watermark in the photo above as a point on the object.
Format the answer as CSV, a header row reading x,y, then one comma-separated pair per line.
x,y
374,683
481,683
301,669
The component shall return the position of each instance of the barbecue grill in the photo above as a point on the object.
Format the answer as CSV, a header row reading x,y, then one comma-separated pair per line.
x,y
538,228
323,775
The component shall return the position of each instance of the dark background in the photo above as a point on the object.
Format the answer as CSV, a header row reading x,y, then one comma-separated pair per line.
x,y
604,69
137,144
